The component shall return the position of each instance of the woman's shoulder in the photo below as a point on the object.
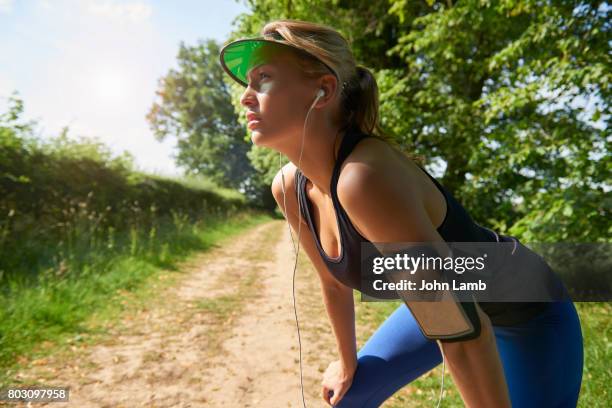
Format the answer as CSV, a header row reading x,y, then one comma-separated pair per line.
x,y
381,192
375,159
285,177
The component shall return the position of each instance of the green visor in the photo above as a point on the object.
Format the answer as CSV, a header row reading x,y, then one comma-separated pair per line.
x,y
240,56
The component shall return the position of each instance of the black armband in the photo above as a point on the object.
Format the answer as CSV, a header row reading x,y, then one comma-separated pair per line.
x,y
438,312
469,309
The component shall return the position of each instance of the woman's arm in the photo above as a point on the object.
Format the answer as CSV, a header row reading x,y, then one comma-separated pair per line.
x,y
338,298
341,312
476,368
384,203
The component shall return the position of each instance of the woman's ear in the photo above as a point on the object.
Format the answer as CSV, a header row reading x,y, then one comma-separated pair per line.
x,y
328,84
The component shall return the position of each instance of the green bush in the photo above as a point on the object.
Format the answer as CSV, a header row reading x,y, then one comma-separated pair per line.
x,y
65,201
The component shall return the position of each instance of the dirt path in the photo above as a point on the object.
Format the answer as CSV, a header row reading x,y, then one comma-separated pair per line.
x,y
224,336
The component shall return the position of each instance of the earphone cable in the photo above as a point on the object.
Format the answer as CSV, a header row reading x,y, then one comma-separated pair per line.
x,y
296,248
443,369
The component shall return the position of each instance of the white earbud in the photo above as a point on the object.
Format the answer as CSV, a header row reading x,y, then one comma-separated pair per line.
x,y
321,93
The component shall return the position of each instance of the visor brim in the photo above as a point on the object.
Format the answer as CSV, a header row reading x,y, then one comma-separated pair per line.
x,y
240,56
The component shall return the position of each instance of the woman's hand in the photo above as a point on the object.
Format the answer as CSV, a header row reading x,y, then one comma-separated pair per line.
x,y
337,379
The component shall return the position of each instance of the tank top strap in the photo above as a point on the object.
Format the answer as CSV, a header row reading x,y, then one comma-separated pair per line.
x,y
432,178
349,141
298,184
347,229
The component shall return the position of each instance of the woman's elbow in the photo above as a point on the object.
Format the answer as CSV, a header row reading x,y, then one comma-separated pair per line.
x,y
335,288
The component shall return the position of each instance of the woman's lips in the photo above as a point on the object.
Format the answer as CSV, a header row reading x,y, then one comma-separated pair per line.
x,y
252,116
253,123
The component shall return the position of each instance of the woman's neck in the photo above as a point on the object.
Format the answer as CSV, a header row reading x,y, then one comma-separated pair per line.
x,y
318,158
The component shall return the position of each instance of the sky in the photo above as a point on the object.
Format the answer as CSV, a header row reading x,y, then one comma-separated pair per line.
x,y
94,65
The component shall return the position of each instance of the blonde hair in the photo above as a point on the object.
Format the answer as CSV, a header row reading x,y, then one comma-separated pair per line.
x,y
359,90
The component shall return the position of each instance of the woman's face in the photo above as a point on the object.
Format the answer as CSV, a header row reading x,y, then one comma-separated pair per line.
x,y
279,97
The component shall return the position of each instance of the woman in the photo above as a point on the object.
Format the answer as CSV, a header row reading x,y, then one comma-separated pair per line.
x,y
302,76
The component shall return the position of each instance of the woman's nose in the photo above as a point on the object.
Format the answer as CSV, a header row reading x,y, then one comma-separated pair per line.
x,y
248,97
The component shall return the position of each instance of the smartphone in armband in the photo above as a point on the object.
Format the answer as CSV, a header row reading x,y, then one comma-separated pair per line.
x,y
446,320
439,314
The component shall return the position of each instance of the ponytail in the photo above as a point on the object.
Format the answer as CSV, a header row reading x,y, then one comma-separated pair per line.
x,y
361,101
361,105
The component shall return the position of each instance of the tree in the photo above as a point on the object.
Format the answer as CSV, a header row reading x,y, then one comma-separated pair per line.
x,y
194,106
495,91
494,88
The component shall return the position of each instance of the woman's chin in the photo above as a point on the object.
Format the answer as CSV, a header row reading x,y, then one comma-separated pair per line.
x,y
265,138
258,137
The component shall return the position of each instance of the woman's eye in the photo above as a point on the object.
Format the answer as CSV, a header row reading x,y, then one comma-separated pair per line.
x,y
263,73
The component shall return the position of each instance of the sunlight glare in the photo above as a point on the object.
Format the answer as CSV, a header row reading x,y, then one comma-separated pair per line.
x,y
109,85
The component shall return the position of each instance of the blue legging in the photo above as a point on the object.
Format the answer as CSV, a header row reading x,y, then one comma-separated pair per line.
x,y
542,359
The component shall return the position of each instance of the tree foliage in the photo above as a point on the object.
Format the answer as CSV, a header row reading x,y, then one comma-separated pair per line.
x,y
193,106
511,97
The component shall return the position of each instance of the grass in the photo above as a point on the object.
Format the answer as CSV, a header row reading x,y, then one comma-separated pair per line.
x,y
72,309
597,373
424,391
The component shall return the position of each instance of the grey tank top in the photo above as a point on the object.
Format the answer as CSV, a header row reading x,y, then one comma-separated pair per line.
x,y
457,226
